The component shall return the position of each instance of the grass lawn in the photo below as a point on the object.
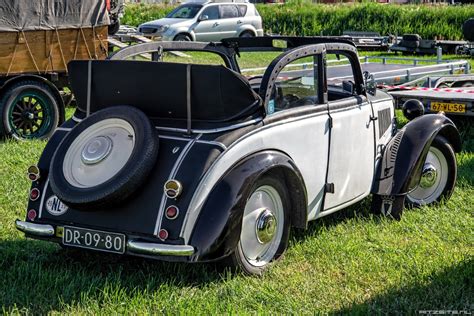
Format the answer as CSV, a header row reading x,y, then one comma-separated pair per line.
x,y
349,262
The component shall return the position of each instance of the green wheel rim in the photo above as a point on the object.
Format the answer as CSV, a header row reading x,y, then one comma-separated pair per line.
x,y
30,115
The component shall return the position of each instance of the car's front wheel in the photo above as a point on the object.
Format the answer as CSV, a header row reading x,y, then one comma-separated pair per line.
x,y
183,38
265,226
438,175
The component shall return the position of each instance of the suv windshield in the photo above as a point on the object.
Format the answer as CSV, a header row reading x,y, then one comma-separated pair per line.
x,y
186,11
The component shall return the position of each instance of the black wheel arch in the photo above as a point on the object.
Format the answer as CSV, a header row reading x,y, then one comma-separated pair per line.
x,y
399,169
30,77
217,229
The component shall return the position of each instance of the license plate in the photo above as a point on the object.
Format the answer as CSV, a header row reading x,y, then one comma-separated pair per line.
x,y
94,239
448,107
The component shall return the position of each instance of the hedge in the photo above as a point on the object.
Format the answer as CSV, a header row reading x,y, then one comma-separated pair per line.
x,y
306,19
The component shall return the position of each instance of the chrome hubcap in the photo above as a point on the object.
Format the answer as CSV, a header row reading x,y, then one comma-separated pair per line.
x,y
265,226
96,150
428,176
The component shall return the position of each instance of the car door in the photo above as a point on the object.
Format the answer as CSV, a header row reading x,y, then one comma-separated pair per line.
x,y
229,14
208,27
352,147
297,120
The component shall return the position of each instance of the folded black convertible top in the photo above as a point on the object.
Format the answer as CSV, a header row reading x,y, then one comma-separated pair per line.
x,y
163,90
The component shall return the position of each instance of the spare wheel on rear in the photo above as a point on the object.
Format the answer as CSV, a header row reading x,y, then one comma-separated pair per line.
x,y
104,159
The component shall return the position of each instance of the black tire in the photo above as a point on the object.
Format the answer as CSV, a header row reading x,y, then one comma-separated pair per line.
x,y
468,30
29,110
442,150
411,37
247,34
119,185
182,38
238,258
465,84
409,44
114,27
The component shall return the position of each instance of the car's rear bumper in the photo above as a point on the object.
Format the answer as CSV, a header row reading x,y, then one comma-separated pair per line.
x,y
133,246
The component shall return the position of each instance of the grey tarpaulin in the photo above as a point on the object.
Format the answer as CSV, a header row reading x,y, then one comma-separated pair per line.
x,y
29,15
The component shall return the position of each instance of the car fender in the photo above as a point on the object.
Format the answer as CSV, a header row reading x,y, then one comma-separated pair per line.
x,y
399,169
217,229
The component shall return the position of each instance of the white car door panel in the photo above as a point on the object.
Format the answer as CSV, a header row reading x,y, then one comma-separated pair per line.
x,y
351,158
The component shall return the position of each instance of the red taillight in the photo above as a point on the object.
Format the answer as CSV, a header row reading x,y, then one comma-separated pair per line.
x,y
31,214
172,212
163,234
34,194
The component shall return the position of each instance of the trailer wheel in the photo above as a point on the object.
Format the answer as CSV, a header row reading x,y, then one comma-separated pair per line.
x,y
29,110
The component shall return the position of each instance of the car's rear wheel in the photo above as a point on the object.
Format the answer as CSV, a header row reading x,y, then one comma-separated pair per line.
x,y
265,226
246,34
438,176
104,159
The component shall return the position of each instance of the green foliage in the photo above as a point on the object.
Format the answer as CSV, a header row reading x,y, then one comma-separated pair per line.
x,y
303,18
136,14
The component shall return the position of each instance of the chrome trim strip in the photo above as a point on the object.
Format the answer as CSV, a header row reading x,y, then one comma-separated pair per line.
x,y
173,173
210,142
212,130
76,119
34,229
64,129
148,248
207,142
175,138
43,195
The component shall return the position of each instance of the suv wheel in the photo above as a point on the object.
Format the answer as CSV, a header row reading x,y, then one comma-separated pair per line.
x,y
182,38
246,34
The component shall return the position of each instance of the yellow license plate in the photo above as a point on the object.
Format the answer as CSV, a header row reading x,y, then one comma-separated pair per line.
x,y
448,107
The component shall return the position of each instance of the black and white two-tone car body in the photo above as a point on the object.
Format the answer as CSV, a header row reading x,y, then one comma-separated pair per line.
x,y
188,162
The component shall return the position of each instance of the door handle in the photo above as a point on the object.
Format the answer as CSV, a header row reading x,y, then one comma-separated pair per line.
x,y
239,22
216,24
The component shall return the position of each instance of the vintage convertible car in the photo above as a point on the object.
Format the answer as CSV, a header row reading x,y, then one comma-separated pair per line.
x,y
190,162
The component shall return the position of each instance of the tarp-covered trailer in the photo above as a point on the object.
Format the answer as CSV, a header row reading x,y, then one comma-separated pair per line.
x,y
37,40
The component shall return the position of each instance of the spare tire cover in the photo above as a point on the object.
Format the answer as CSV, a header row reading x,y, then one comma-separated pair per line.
x,y
104,159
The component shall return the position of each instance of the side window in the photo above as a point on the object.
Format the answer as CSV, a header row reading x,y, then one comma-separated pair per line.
x,y
341,82
297,85
212,12
242,9
229,11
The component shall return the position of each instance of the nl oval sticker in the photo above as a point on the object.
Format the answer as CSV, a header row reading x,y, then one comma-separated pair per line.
x,y
55,207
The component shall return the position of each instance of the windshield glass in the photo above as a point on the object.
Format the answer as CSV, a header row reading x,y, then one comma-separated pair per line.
x,y
186,11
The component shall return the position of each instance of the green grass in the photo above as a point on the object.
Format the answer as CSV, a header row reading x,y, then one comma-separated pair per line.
x,y
349,262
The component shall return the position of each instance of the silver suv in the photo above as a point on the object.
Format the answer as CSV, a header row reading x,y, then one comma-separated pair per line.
x,y
206,22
